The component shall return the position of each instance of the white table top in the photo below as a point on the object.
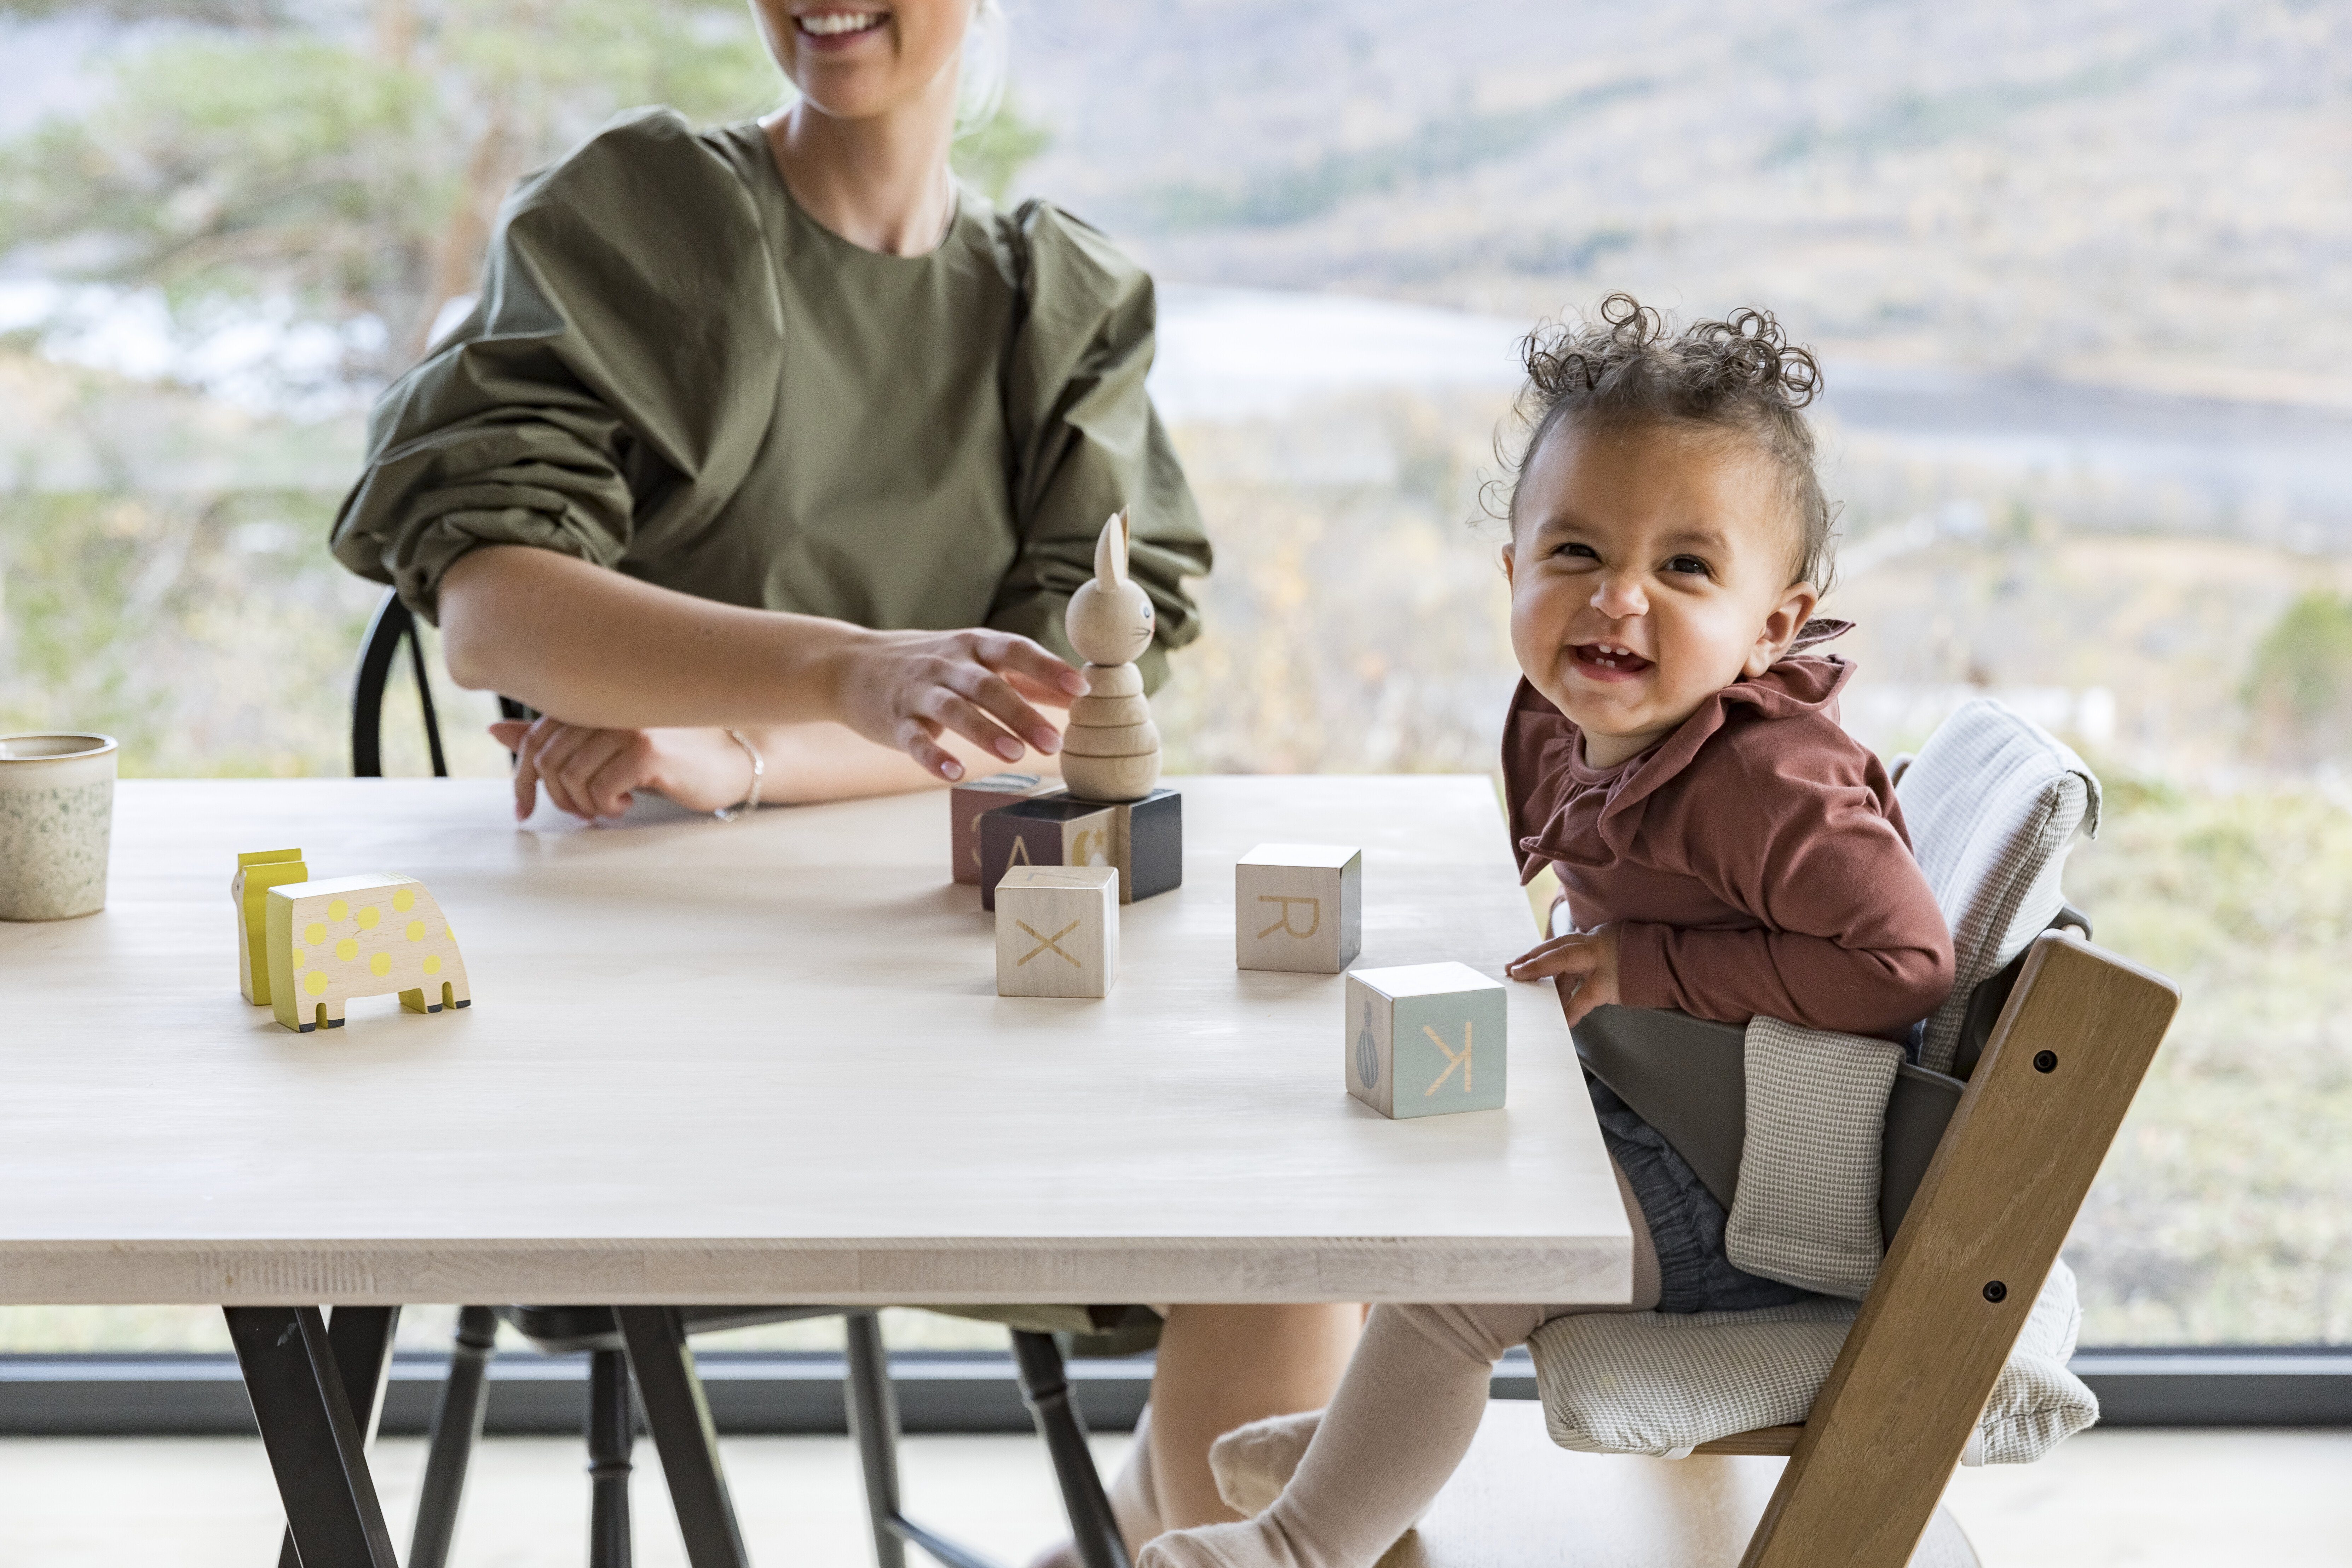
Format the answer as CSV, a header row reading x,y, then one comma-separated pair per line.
x,y
766,1062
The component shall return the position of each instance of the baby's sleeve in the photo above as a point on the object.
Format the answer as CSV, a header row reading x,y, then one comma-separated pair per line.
x,y
1852,938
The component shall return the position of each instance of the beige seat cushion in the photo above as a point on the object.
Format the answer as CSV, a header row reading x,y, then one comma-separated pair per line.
x,y
1518,1502
1661,1383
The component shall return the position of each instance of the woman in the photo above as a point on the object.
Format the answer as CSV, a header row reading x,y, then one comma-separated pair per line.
x,y
764,466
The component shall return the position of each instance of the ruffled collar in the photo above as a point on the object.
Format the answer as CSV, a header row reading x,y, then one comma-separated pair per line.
x,y
1798,685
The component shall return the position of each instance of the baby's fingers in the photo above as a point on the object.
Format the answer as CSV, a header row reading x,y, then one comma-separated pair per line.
x,y
1561,955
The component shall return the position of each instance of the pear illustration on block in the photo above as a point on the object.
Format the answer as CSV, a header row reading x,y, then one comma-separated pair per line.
x,y
1111,749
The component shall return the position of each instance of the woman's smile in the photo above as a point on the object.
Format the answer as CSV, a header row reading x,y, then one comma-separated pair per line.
x,y
837,29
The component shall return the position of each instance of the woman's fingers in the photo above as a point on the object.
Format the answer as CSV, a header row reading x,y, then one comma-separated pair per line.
x,y
1018,656
948,710
920,739
604,770
554,756
994,696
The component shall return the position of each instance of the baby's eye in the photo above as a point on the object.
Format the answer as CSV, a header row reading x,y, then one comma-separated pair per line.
x,y
1690,563
1580,551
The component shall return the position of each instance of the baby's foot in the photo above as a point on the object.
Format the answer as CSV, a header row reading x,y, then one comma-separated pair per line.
x,y
1251,1543
1254,1463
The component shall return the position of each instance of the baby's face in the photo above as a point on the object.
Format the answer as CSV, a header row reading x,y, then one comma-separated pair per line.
x,y
1649,569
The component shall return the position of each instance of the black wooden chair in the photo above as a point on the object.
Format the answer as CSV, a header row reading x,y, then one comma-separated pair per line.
x,y
647,1346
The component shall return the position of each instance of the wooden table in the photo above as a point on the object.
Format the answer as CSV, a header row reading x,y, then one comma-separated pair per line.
x,y
765,1062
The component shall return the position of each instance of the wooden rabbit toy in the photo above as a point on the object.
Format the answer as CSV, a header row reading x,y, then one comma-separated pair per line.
x,y
1111,749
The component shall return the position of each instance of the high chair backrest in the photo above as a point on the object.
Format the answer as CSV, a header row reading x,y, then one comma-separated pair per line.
x,y
1993,803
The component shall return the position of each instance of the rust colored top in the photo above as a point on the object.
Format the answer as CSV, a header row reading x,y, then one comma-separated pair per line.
x,y
1754,861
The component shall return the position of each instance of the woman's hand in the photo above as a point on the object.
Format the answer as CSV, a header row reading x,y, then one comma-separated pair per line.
x,y
904,689
596,773
1592,954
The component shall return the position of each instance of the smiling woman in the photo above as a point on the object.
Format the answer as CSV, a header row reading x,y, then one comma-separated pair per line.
x,y
768,461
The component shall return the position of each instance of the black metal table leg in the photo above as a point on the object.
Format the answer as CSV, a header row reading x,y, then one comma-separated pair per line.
x,y
874,1428
457,1428
612,1433
310,1434
679,1419
1046,1390
360,1338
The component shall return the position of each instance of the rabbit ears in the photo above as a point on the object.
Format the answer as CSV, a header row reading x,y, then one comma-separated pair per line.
x,y
1110,552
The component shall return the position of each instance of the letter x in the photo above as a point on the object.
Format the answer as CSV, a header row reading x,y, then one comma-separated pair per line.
x,y
1053,942
1451,1060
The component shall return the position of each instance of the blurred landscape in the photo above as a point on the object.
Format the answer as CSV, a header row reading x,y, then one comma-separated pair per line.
x,y
2082,277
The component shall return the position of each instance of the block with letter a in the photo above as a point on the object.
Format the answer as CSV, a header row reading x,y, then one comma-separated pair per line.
x,y
1057,930
1049,830
1299,907
1423,1040
968,803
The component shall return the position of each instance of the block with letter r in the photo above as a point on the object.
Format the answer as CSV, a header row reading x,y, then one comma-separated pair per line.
x,y
1424,1039
1299,907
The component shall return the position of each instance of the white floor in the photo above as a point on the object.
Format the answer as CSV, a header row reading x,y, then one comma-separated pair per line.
x,y
2107,1499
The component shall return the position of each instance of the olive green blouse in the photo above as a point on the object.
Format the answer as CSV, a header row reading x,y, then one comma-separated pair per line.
x,y
674,371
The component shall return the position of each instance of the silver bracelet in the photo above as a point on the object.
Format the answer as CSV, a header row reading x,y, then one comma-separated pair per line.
x,y
759,771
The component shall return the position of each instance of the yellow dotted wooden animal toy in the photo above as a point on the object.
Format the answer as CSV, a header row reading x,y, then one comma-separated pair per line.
x,y
331,941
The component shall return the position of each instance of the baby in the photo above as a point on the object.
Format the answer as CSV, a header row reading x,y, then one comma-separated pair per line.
x,y
1723,847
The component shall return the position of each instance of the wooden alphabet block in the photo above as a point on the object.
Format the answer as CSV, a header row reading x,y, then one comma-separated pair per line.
x,y
256,873
359,936
1426,1038
1050,830
968,803
1300,907
1057,930
1147,845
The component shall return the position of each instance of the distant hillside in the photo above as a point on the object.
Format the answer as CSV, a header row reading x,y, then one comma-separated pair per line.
x,y
2157,193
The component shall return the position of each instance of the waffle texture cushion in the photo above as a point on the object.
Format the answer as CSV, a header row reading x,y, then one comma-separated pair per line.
x,y
1661,1383
1992,800
1806,1210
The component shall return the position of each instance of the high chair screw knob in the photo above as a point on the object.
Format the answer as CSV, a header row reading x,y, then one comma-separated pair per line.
x,y
2045,1061
1996,1292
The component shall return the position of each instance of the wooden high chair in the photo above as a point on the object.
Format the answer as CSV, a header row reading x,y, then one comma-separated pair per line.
x,y
1860,1484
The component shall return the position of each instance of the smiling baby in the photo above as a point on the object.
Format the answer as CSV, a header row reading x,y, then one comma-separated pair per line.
x,y
1722,846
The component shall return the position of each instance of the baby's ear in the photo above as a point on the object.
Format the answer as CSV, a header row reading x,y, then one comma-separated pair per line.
x,y
1781,627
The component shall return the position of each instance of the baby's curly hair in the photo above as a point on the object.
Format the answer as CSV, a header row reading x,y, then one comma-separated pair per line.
x,y
1742,376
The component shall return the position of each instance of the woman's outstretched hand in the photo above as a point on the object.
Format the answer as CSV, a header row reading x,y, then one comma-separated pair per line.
x,y
597,773
904,689
1589,955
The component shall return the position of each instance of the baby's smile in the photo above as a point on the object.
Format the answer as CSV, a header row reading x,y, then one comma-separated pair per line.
x,y
1607,662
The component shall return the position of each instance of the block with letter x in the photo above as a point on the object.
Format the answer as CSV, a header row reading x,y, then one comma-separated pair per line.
x,y
1299,907
1426,1038
1057,930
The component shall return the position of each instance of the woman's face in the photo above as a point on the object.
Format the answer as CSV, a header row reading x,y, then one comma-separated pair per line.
x,y
857,59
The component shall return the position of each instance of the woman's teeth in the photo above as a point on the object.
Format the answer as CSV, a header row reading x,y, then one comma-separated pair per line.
x,y
833,24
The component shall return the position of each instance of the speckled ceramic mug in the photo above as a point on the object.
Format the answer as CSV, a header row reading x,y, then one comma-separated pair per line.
x,y
57,813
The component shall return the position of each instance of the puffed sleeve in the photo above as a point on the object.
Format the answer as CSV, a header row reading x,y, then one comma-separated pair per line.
x,y
622,359
1086,441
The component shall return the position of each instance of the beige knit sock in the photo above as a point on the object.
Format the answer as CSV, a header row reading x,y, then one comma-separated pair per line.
x,y
1254,1463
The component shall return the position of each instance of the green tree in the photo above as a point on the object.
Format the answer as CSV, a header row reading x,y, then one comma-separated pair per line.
x,y
354,174
2300,691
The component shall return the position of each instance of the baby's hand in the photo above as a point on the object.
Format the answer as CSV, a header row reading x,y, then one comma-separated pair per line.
x,y
1591,955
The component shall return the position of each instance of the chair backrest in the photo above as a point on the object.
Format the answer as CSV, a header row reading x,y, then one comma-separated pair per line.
x,y
393,622
1993,802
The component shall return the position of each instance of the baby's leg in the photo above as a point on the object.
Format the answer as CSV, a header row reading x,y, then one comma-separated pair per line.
x,y
1399,1425
1404,1417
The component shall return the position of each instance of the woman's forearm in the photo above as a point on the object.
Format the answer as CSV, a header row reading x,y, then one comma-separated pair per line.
x,y
598,649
